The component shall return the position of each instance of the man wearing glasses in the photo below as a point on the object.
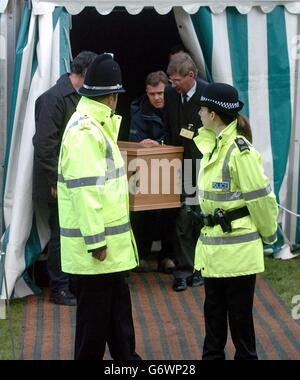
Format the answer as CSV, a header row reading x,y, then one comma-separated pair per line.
x,y
182,104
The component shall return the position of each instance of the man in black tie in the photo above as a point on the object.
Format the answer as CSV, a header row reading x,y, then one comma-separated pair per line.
x,y
185,98
181,120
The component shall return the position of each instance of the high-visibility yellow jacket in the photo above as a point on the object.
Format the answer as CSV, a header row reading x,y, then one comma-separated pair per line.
x,y
93,195
231,176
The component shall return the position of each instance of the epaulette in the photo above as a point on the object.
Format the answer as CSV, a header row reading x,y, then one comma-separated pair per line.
x,y
242,144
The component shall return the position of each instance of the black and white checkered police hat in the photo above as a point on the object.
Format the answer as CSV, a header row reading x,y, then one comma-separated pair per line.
x,y
221,97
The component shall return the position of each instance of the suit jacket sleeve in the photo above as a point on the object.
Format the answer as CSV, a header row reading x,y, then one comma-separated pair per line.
x,y
49,119
166,118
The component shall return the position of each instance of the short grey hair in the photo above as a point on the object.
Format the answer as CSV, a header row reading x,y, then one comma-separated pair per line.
x,y
182,63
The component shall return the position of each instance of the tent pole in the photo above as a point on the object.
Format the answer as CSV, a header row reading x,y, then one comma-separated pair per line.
x,y
7,302
9,33
293,172
3,100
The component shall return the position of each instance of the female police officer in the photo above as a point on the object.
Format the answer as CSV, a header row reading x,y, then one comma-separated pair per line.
x,y
239,213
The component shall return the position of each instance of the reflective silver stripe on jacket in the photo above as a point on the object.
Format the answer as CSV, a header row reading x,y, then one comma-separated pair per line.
x,y
225,169
70,232
94,239
60,178
98,238
257,193
230,239
81,182
115,230
221,197
224,196
92,181
109,155
116,173
76,122
270,239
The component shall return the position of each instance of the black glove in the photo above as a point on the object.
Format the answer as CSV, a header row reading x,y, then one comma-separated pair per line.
x,y
197,219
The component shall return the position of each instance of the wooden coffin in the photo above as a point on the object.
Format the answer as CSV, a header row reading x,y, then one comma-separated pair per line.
x,y
154,175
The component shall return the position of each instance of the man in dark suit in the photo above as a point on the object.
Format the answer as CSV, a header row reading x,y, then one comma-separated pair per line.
x,y
53,110
181,120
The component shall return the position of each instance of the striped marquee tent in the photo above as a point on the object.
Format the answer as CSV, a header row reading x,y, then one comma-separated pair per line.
x,y
253,45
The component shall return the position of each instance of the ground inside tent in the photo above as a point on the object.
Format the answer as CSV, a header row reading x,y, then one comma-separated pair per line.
x,y
141,44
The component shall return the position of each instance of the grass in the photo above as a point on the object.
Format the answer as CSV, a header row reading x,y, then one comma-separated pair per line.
x,y
6,350
284,276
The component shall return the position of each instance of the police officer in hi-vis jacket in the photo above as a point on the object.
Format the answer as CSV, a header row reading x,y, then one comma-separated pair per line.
x,y
97,244
238,214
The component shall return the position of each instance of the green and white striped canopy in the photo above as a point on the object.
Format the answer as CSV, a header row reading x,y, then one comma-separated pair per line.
x,y
42,55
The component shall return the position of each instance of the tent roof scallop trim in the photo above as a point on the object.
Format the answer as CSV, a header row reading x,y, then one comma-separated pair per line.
x,y
134,7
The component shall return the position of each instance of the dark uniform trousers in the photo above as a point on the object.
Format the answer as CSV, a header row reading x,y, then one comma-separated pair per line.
x,y
230,298
186,234
185,240
153,225
58,279
103,315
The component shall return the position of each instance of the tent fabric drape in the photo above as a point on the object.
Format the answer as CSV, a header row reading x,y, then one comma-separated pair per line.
x,y
3,112
3,92
42,55
3,5
253,52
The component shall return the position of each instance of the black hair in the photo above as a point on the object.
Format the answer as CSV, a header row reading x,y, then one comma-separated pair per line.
x,y
81,62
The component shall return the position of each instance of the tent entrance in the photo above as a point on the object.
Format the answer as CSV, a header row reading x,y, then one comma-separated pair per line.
x,y
140,43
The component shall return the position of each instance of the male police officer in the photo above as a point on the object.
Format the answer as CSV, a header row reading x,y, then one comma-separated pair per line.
x,y
97,245
53,110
